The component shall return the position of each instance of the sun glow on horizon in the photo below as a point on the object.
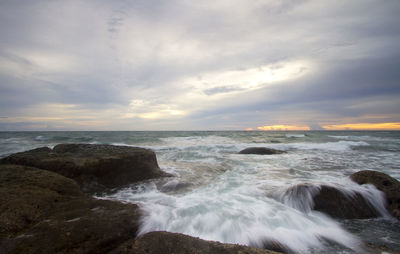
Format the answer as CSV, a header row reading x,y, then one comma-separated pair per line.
x,y
363,126
284,127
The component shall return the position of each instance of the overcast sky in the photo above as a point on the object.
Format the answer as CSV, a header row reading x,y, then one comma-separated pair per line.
x,y
198,65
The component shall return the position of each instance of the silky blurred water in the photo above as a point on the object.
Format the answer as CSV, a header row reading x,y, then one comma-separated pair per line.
x,y
218,194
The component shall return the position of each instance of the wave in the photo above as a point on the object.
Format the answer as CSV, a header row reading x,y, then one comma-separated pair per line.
x,y
212,143
328,146
196,141
232,211
301,197
365,138
295,135
41,138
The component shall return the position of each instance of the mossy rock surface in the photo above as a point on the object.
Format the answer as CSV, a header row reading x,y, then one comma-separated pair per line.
x,y
29,195
44,212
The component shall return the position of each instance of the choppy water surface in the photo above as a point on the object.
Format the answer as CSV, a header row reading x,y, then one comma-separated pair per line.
x,y
217,194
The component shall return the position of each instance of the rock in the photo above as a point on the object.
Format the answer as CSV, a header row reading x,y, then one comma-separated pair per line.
x,y
165,242
339,205
43,212
328,200
374,248
261,151
29,195
384,183
94,167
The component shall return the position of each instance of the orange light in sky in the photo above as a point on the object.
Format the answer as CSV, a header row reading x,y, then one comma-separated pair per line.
x,y
284,127
363,126
249,129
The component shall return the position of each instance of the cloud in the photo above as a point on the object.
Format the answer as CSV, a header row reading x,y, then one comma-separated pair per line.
x,y
199,65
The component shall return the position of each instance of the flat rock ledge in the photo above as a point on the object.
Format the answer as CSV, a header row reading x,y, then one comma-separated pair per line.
x,y
384,183
94,167
261,151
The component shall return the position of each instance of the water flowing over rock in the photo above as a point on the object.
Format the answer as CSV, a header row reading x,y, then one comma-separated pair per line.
x,y
94,167
165,242
384,183
260,151
343,205
44,212
329,200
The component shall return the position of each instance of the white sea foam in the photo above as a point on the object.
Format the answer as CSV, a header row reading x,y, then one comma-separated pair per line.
x,y
41,138
365,138
235,208
194,141
230,196
328,146
295,135
301,197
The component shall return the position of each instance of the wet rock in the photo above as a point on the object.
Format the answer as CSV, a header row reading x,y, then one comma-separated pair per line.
x,y
94,167
343,206
384,183
276,246
374,248
43,212
165,242
328,200
260,151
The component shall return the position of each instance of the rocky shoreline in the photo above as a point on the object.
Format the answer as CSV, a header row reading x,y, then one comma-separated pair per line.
x,y
46,203
95,168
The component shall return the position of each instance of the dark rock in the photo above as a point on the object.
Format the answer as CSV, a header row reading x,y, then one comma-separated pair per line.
x,y
94,167
276,246
261,151
339,205
374,248
165,242
43,212
384,183
328,200
29,195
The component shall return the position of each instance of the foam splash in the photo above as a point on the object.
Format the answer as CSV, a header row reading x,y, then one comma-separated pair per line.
x,y
220,195
365,138
339,146
301,196
295,135
232,211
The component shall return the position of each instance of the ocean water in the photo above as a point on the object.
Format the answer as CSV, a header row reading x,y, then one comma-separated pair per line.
x,y
218,194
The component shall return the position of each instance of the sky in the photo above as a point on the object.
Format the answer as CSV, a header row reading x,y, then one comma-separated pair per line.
x,y
199,65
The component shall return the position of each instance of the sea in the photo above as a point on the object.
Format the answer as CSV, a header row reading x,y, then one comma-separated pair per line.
x,y
220,195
